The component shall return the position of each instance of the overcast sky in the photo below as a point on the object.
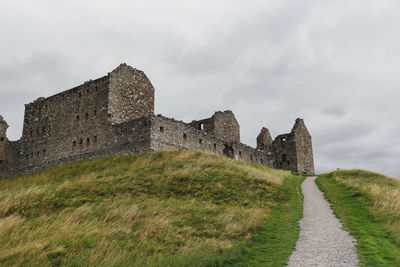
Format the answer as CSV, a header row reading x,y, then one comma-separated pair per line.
x,y
333,63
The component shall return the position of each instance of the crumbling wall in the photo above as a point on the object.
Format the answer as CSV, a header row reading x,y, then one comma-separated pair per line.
x,y
131,94
4,148
169,134
293,151
222,125
264,141
284,150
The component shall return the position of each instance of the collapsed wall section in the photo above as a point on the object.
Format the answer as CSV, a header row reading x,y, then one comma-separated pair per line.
x,y
284,149
222,125
5,156
169,134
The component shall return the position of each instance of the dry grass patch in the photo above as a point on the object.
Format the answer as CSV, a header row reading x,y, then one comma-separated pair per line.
x,y
135,210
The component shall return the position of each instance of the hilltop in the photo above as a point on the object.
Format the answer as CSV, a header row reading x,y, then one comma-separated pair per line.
x,y
151,209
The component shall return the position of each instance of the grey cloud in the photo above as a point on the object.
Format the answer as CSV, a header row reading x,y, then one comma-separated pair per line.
x,y
333,63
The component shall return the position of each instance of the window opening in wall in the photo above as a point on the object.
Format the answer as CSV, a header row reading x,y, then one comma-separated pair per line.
x,y
77,117
87,91
215,146
201,126
30,133
283,140
200,141
95,138
37,153
80,142
87,115
96,88
161,129
240,153
74,144
1,139
251,158
80,94
288,162
44,152
1,161
280,164
95,112
88,141
185,136
284,157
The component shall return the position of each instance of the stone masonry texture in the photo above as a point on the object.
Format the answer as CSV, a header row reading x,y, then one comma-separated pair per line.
x,y
115,115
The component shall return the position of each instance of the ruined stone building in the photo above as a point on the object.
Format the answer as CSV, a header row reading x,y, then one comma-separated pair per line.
x,y
115,115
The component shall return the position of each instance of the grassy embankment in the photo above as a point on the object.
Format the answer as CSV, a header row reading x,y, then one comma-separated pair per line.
x,y
152,209
368,204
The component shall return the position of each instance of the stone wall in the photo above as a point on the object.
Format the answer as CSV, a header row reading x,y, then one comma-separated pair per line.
x,y
222,125
304,150
4,152
131,94
264,141
127,138
67,124
293,151
169,134
284,149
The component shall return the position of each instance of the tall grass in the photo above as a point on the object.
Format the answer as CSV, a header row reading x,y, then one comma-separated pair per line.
x,y
170,208
381,193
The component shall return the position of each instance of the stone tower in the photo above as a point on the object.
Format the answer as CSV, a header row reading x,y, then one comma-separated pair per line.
x,y
3,145
304,150
131,94
293,151
264,141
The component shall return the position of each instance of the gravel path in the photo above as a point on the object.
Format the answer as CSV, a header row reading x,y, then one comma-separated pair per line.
x,y
322,242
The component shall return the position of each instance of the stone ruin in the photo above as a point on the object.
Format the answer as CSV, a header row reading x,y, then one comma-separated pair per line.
x,y
115,115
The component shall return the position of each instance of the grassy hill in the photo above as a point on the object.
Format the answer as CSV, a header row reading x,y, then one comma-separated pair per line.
x,y
152,209
368,204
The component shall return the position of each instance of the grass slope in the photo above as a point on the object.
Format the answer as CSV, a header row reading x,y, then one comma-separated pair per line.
x,y
368,204
152,209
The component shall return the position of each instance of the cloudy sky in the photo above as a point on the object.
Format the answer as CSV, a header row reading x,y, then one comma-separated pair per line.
x,y
333,63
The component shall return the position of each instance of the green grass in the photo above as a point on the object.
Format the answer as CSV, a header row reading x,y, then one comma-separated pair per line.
x,y
368,204
152,209
278,236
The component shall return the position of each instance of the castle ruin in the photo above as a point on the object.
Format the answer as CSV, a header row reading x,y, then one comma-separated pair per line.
x,y
115,115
